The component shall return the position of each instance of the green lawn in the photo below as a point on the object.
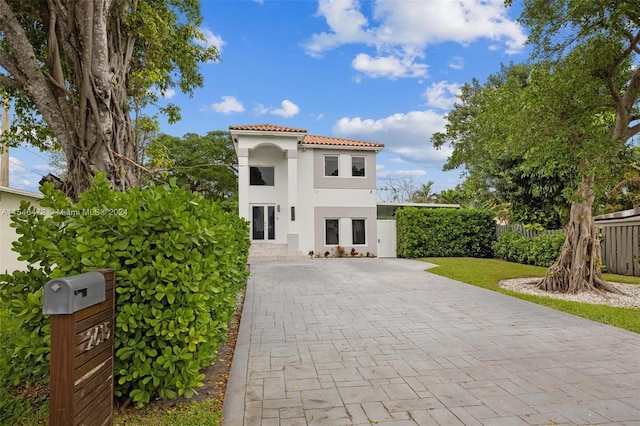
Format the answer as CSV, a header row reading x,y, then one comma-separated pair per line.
x,y
487,272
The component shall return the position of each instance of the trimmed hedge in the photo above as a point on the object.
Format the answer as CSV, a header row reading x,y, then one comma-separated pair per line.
x,y
180,262
424,232
542,250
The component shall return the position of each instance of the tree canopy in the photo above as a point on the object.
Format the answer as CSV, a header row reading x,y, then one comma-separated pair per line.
x,y
567,119
212,171
77,68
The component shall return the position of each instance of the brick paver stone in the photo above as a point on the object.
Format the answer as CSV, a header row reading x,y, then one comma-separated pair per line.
x,y
381,341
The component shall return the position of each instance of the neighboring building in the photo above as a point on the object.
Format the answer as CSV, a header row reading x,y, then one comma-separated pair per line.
x,y
10,202
305,192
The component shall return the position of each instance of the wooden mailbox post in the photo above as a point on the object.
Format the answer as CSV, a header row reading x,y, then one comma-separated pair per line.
x,y
82,311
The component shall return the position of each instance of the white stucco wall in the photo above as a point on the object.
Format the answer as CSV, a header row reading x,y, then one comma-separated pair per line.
x,y
275,195
300,183
10,202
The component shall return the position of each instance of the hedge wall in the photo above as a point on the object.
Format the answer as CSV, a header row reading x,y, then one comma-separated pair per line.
x,y
180,261
542,250
424,232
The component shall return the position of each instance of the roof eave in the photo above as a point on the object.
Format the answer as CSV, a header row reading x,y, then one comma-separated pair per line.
x,y
345,147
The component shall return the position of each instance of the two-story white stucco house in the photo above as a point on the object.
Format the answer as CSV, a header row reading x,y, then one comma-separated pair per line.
x,y
304,192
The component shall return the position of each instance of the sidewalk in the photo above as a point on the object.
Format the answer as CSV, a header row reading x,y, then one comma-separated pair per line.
x,y
379,341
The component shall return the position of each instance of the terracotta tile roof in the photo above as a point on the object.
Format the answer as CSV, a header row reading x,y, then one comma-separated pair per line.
x,y
326,140
308,139
267,128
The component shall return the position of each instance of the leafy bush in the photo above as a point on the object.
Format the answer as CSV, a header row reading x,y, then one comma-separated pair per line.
x,y
180,261
542,250
444,232
545,248
512,246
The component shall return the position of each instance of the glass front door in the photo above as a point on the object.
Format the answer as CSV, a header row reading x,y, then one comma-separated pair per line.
x,y
263,222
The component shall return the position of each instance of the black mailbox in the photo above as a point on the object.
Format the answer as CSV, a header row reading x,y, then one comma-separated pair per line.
x,y
71,294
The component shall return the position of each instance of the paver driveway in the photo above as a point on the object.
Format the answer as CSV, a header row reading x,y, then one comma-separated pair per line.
x,y
380,341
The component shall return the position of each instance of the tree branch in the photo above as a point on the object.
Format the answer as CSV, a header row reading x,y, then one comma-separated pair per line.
x,y
9,82
7,63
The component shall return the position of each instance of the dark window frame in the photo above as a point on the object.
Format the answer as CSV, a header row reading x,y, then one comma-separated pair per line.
x,y
336,172
359,172
359,242
258,172
327,242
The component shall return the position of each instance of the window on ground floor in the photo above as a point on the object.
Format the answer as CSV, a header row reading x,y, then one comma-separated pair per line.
x,y
331,232
358,234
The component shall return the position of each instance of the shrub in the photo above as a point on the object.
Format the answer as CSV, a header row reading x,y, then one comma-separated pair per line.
x,y
542,250
444,232
545,248
512,246
180,261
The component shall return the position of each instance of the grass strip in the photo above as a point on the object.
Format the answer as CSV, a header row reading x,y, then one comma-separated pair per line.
x,y
486,273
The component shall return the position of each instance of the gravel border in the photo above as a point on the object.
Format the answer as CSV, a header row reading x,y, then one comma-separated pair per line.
x,y
631,298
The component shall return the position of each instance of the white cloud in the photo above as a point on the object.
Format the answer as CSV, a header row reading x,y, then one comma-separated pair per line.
x,y
287,109
419,24
227,105
400,31
347,25
408,135
442,95
168,94
402,174
27,176
211,39
388,66
457,63
260,109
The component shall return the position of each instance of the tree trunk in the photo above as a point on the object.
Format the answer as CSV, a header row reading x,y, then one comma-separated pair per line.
x,y
82,91
104,138
578,267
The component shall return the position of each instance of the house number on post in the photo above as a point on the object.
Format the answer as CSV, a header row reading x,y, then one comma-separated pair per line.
x,y
97,335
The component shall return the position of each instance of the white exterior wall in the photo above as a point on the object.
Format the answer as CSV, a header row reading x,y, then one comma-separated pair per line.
x,y
10,202
300,183
306,200
280,152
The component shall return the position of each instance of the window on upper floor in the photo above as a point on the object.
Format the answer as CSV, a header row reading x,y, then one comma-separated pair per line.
x,y
357,166
331,165
261,175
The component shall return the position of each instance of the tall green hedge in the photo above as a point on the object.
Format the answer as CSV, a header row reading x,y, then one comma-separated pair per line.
x,y
180,261
542,250
424,232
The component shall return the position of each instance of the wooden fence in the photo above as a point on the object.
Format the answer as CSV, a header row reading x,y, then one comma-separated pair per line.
x,y
522,230
621,247
620,244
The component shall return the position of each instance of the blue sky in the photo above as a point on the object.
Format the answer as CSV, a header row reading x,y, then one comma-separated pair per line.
x,y
379,71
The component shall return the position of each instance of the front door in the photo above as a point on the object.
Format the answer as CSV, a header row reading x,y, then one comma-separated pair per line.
x,y
263,222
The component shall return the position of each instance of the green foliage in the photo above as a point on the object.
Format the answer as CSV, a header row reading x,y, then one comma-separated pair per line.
x,y
15,408
444,232
22,293
542,250
504,160
180,261
205,164
512,246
